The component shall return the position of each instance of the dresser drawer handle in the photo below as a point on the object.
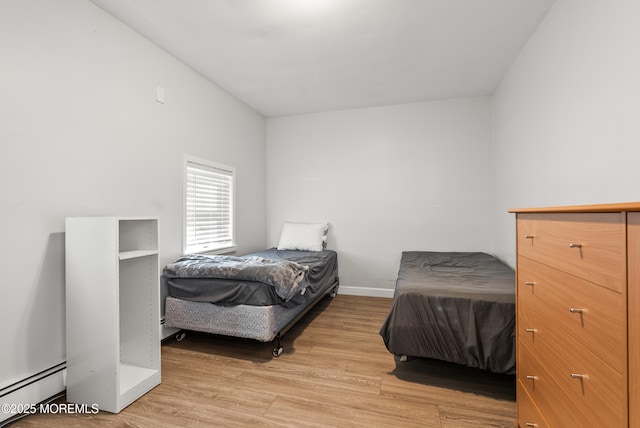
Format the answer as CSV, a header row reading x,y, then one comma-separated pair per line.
x,y
530,424
582,377
531,283
529,236
576,310
530,330
533,377
575,245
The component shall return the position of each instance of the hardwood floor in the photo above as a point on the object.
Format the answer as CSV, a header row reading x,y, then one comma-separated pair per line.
x,y
334,371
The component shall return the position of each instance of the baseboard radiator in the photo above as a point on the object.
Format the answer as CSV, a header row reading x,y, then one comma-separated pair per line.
x,y
23,396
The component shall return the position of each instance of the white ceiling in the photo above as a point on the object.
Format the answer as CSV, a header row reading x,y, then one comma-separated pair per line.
x,y
286,57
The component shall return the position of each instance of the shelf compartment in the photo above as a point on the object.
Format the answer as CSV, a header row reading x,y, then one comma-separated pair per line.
x,y
125,255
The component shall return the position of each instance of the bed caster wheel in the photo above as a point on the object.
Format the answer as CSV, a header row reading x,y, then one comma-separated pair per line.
x,y
180,336
277,351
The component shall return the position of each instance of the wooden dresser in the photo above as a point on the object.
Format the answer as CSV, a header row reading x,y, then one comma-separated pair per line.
x,y
578,352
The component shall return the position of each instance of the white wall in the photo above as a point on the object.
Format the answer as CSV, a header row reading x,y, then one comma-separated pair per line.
x,y
81,135
565,117
387,179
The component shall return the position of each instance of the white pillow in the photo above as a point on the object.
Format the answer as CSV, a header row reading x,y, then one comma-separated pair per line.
x,y
303,236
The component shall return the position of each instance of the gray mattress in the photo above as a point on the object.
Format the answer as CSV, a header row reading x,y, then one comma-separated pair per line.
x,y
453,306
323,270
251,320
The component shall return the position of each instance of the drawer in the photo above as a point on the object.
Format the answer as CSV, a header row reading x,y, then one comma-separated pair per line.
x,y
593,315
591,246
528,414
595,388
558,410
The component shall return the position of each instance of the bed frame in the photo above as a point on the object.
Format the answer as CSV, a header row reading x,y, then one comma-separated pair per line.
x,y
262,323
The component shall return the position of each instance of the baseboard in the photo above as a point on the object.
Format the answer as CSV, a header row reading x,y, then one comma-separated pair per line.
x,y
32,390
366,291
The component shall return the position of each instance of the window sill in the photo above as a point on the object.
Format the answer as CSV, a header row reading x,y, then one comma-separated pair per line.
x,y
223,250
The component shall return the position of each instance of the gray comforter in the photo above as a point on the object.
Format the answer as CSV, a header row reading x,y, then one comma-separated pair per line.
x,y
457,307
287,277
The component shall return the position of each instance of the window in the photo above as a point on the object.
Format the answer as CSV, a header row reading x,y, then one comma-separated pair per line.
x,y
208,207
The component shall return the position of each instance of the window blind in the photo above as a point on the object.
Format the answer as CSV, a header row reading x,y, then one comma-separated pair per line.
x,y
208,208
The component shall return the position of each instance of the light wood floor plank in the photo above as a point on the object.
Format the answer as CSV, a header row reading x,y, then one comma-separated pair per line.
x,y
323,413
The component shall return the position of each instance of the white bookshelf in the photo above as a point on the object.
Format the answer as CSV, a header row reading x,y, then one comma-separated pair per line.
x,y
112,310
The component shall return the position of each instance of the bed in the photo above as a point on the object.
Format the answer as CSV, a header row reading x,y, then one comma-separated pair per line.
x,y
453,306
258,296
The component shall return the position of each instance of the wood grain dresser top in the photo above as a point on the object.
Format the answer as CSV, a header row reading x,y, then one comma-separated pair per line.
x,y
596,208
